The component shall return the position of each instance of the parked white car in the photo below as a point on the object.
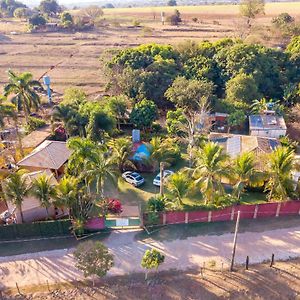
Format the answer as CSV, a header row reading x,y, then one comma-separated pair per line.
x,y
133,178
167,173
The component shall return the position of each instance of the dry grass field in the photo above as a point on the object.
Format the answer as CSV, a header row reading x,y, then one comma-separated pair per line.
x,y
78,53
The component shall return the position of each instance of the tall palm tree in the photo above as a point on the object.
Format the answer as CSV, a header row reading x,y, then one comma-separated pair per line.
x,y
16,188
211,166
245,173
21,86
122,151
83,150
178,186
161,151
280,165
43,190
66,193
99,169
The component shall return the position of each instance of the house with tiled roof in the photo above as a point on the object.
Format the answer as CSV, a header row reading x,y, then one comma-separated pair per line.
x,y
50,155
236,144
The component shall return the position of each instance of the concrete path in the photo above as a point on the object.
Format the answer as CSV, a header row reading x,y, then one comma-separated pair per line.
x,y
58,265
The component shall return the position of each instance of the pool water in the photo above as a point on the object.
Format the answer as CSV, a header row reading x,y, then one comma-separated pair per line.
x,y
142,153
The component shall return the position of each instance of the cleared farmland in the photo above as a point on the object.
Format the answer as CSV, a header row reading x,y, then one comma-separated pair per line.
x,y
78,53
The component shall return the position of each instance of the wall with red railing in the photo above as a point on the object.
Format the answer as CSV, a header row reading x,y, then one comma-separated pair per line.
x,y
253,211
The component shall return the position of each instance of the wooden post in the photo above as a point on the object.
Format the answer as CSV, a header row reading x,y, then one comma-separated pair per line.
x,y
209,217
48,286
235,240
18,289
272,260
247,263
255,212
186,217
161,188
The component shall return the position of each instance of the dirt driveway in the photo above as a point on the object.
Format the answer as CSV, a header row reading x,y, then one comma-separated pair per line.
x,y
58,265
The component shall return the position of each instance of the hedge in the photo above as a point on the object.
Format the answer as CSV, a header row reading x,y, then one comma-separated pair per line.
x,y
35,230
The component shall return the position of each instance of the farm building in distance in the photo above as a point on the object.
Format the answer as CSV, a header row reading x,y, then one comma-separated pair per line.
x,y
267,125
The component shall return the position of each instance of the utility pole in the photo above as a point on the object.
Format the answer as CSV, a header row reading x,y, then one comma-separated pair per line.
x,y
235,240
161,188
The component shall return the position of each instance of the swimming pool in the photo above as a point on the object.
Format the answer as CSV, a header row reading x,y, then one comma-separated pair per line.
x,y
142,153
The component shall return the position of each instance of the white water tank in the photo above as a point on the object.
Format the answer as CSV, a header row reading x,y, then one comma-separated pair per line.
x,y
136,135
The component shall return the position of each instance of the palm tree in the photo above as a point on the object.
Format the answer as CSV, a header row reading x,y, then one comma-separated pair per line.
x,y
43,190
16,187
83,150
98,169
122,151
210,168
245,173
280,165
66,193
162,151
73,121
24,96
178,186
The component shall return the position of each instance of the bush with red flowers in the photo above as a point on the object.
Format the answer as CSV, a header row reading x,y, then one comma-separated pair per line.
x,y
60,133
114,206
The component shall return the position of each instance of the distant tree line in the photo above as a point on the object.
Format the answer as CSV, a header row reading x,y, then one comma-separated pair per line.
x,y
238,73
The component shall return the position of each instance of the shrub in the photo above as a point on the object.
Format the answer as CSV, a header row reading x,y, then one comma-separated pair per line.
x,y
156,204
114,206
34,123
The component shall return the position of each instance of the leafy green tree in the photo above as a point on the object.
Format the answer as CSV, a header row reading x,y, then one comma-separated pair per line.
x,y
21,12
279,167
250,9
74,96
8,7
118,107
156,204
37,20
282,20
172,3
236,118
66,20
93,12
22,88
49,7
93,258
143,114
178,186
100,123
43,190
122,152
210,167
152,259
16,188
242,90
193,97
174,121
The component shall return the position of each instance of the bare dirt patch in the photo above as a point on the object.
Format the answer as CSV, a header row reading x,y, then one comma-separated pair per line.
x,y
261,282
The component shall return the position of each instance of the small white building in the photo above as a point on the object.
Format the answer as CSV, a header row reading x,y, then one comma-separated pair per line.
x,y
267,125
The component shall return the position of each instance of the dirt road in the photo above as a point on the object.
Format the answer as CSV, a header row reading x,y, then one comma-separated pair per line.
x,y
58,266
